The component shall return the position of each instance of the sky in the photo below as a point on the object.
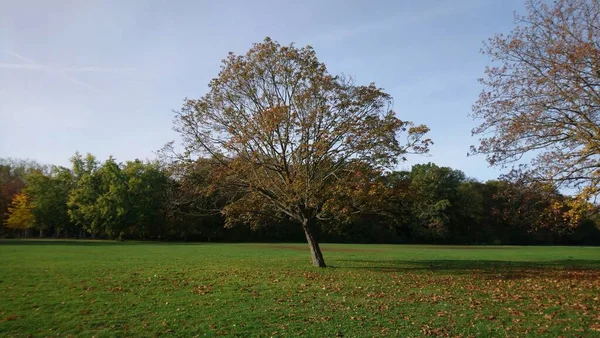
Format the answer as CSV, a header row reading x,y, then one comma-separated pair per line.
x,y
105,76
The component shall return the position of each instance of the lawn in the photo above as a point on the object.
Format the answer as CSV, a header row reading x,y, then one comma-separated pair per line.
x,y
106,289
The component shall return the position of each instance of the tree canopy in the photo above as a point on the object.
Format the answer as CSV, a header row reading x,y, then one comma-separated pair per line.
x,y
286,132
541,96
20,215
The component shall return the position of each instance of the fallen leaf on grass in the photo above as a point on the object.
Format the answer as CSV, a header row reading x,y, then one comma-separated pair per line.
x,y
202,289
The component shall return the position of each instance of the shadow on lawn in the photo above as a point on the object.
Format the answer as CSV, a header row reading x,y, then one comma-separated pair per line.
x,y
73,242
492,269
92,242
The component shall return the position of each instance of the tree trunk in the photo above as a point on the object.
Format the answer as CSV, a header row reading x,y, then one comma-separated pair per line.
x,y
313,244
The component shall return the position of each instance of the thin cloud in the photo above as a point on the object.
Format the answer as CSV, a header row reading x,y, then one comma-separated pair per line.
x,y
31,64
132,75
20,66
99,70
21,57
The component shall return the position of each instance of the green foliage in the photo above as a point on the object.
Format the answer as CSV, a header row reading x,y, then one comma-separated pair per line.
x,y
251,290
146,192
434,191
429,204
118,200
49,196
82,205
112,205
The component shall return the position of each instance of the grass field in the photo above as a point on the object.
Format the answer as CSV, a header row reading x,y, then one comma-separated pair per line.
x,y
106,289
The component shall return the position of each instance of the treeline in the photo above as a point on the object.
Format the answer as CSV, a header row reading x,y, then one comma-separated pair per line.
x,y
153,201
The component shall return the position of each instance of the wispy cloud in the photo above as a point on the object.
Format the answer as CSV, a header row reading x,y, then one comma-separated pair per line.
x,y
31,64
65,72
20,66
99,70
130,75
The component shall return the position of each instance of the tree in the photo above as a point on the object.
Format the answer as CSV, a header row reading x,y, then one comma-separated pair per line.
x,y
284,131
49,193
469,221
19,213
433,192
533,206
542,96
118,200
10,185
112,207
361,207
146,185
99,202
12,173
193,207
83,196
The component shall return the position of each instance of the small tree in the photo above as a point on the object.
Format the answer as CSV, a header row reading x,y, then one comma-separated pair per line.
x,y
20,215
285,133
542,95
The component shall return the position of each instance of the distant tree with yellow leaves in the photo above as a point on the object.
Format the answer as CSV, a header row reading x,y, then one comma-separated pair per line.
x,y
20,215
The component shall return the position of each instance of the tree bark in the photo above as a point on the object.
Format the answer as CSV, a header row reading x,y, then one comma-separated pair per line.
x,y
309,230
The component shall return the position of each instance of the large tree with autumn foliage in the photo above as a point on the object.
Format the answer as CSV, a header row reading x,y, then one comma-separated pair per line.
x,y
289,136
541,97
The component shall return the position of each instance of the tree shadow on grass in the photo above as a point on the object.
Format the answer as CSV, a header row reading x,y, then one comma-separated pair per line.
x,y
72,242
93,242
490,269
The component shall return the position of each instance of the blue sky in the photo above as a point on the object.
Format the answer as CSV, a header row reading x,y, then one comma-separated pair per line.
x,y
104,76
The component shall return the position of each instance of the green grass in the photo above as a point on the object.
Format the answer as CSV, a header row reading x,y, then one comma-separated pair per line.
x,y
106,289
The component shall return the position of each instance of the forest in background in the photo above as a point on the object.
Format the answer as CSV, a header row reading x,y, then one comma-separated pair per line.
x,y
139,200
